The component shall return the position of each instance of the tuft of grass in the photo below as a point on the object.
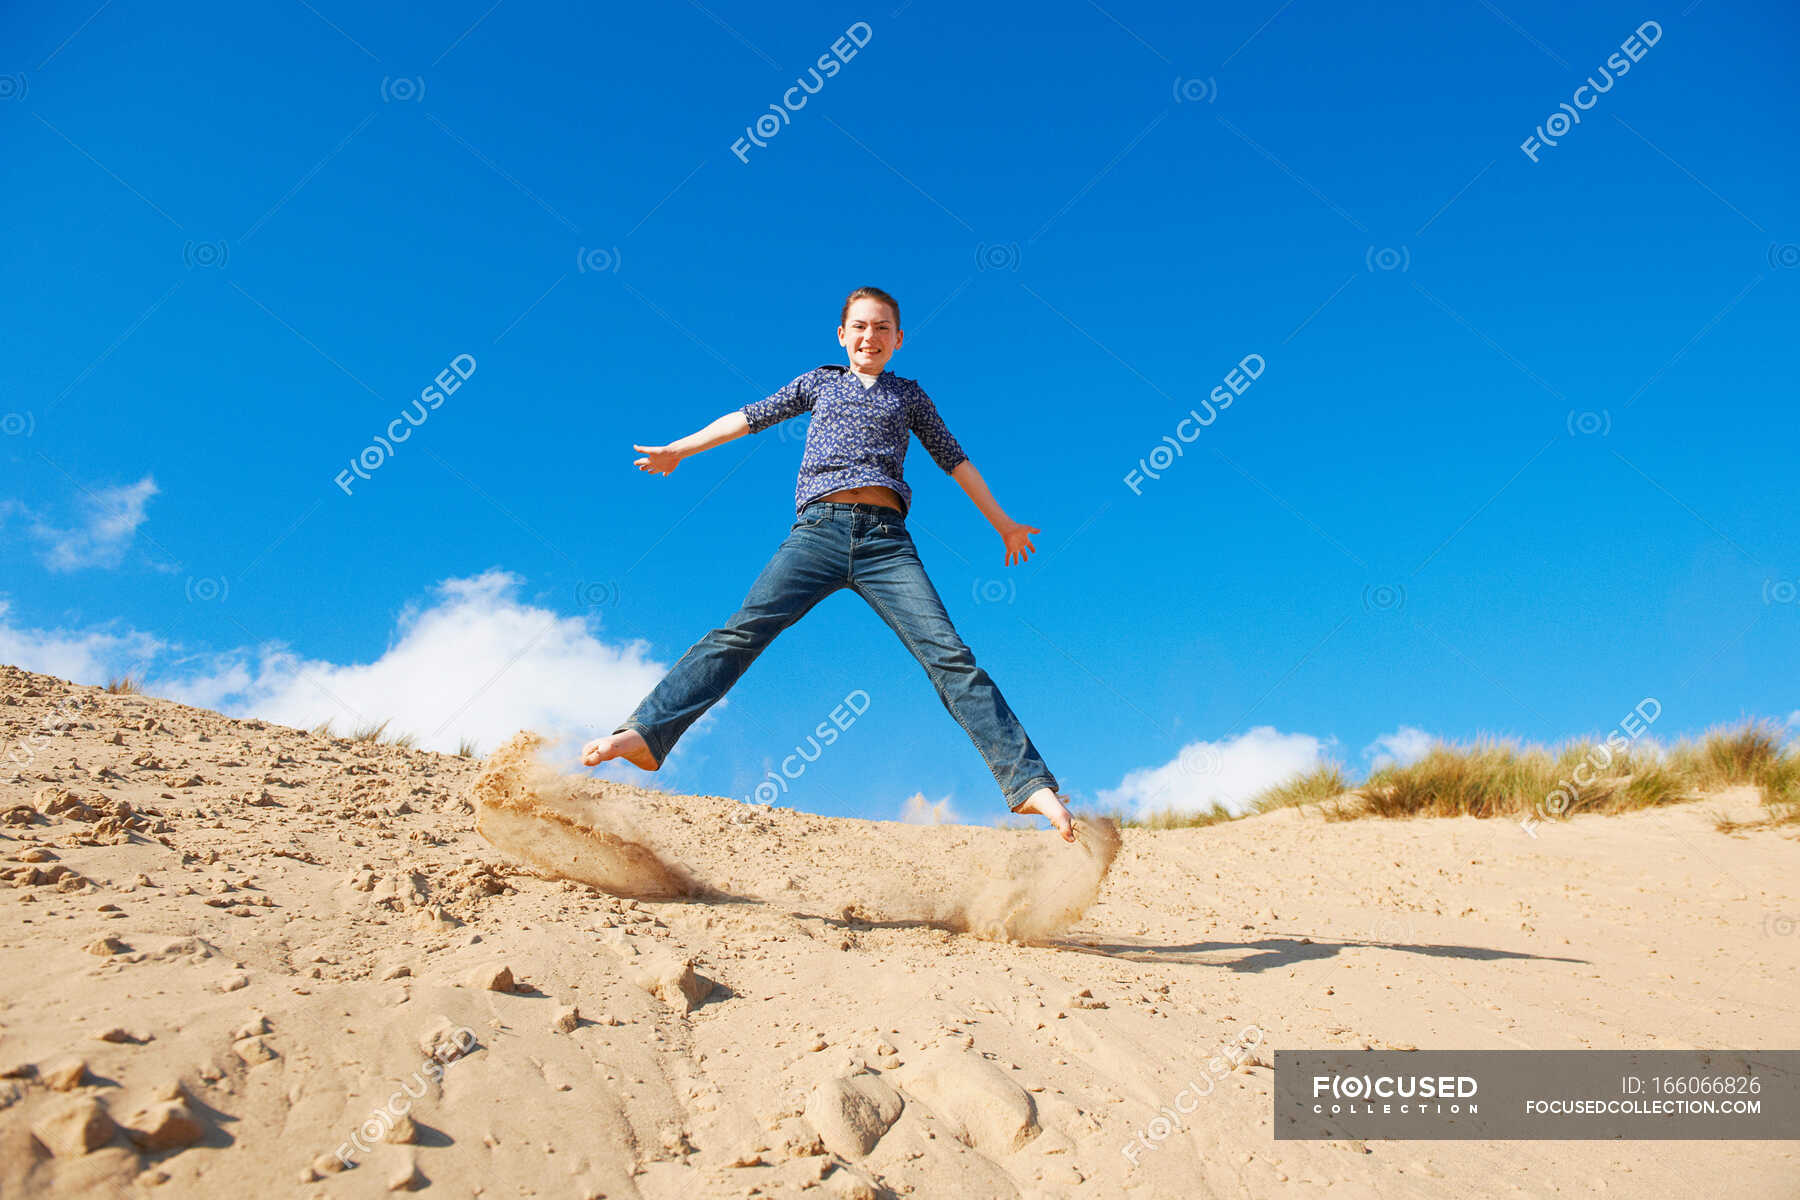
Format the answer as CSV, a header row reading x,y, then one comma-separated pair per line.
x,y
323,729
1748,753
1487,779
375,733
1499,778
1605,758
1652,787
1173,818
1779,780
123,685
1310,787
1725,824
1730,755
1781,788
465,748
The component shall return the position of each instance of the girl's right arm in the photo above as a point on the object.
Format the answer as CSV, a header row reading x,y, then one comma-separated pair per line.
x,y
790,401
663,460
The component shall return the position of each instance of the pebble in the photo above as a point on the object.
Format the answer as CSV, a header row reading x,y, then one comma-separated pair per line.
x,y
79,1126
253,1050
64,1074
492,978
169,1125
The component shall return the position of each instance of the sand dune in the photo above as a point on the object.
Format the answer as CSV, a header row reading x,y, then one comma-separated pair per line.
x,y
237,956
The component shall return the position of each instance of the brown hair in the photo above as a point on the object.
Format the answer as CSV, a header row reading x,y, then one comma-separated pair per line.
x,y
870,293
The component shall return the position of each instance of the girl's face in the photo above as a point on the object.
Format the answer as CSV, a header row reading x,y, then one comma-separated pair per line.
x,y
870,334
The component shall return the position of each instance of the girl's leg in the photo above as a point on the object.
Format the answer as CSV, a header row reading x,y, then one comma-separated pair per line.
x,y
889,575
803,571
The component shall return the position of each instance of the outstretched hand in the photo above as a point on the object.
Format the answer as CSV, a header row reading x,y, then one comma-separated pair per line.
x,y
1018,542
659,459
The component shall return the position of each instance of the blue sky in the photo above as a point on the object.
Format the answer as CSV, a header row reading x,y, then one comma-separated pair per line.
x,y
1520,454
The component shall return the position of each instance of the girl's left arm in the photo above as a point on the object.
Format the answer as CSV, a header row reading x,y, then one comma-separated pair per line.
x,y
1016,536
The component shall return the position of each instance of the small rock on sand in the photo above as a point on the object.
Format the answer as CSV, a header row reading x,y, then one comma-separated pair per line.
x,y
326,1164
253,1050
996,1114
405,1177
493,978
794,1137
78,1126
671,977
849,1184
257,1024
63,1074
852,1113
165,1126
446,1041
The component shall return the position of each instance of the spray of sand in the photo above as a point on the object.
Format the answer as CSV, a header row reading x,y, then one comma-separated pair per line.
x,y
1042,887
531,812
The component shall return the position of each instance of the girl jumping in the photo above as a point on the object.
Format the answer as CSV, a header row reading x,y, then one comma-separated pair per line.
x,y
849,531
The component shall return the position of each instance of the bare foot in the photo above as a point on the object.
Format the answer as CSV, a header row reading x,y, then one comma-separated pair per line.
x,y
1047,803
629,745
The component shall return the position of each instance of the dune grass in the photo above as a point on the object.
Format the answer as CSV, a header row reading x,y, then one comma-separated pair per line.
x,y
367,733
1502,778
1313,787
123,685
1781,789
465,748
1174,818
1748,754
375,733
1727,756
1317,786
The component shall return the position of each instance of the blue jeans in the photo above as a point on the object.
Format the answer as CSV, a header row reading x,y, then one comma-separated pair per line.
x,y
866,548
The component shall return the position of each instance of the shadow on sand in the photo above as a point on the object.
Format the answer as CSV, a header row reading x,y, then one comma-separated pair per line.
x,y
1273,953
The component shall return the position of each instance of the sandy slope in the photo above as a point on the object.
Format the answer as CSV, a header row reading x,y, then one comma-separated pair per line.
x,y
296,923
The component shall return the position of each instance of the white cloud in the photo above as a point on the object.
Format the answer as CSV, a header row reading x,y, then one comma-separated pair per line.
x,y
474,662
917,811
110,520
83,656
1403,747
1228,773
